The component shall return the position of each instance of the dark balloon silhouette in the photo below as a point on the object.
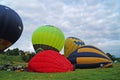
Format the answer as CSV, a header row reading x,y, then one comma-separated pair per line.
x,y
11,27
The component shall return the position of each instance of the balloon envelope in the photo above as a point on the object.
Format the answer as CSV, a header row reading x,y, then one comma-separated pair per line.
x,y
71,44
49,61
11,27
48,38
89,57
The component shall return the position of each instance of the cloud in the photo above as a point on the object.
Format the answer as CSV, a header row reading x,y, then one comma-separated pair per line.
x,y
96,22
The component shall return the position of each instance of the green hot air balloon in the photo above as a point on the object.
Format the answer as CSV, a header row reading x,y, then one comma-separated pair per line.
x,y
48,37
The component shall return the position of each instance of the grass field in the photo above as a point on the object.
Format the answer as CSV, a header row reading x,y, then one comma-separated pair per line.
x,y
79,74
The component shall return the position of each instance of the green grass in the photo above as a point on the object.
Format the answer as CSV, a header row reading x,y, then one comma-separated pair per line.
x,y
79,74
14,60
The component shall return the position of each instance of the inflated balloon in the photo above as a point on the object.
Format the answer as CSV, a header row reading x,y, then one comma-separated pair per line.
x,y
48,38
11,27
89,57
71,44
49,61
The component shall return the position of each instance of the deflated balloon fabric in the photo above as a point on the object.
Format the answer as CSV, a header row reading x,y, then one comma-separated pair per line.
x,y
49,61
89,57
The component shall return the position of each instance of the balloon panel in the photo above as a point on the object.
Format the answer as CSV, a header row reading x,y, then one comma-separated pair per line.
x,y
90,60
92,51
4,44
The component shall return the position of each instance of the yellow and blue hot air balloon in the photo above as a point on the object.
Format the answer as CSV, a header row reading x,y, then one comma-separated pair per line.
x,y
71,44
11,27
48,37
89,57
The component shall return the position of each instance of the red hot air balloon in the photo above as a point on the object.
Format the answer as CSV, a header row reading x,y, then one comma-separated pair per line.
x,y
49,61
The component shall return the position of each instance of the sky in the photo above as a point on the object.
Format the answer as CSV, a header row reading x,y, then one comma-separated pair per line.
x,y
96,22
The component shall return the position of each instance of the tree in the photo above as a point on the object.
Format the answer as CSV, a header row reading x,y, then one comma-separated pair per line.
x,y
27,57
12,52
112,57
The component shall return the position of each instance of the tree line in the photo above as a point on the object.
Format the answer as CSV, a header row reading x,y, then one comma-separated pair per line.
x,y
113,58
26,55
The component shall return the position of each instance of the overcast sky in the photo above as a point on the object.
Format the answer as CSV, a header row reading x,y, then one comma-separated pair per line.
x,y
96,22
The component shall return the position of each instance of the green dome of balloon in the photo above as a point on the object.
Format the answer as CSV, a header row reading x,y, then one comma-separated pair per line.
x,y
48,38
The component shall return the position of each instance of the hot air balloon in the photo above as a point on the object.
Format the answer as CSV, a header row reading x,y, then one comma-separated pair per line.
x,y
89,57
11,27
71,44
48,37
49,61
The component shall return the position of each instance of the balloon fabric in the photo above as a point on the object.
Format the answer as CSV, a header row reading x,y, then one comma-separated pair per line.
x,y
89,57
48,37
71,44
11,27
49,61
